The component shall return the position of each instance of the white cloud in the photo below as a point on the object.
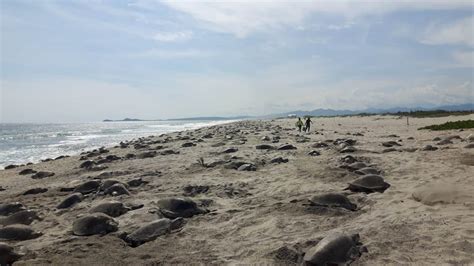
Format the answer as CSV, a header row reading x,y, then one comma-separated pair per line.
x,y
387,93
458,32
245,17
173,54
173,36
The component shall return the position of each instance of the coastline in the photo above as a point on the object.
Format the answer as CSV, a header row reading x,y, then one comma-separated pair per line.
x,y
32,143
254,214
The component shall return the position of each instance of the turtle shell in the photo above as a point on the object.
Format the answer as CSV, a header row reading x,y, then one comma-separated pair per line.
x,y
369,183
94,224
18,232
179,207
112,208
153,230
333,200
88,187
8,255
336,248
9,208
117,190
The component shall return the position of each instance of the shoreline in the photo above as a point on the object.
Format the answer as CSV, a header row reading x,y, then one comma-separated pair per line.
x,y
256,204
56,154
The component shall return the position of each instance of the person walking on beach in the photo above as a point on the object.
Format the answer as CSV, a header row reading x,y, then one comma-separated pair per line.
x,y
299,124
308,123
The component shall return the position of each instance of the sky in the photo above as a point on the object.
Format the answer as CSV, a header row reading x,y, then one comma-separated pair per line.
x,y
80,61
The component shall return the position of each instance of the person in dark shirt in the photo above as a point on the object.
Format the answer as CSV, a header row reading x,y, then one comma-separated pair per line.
x,y
308,124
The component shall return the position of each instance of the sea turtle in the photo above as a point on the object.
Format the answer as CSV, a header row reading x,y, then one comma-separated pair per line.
x,y
87,164
470,138
9,208
153,230
429,148
279,160
117,190
137,182
188,144
112,157
94,224
230,150
70,201
314,153
444,142
333,200
112,208
235,165
108,183
390,144
169,152
368,184
354,166
469,146
453,137
147,154
193,190
42,174
389,150
27,171
7,255
247,167
264,147
336,248
286,147
34,191
367,171
18,232
319,144
179,207
88,187
21,217
347,149
348,159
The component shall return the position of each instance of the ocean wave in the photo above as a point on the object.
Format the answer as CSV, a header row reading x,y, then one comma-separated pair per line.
x,y
32,143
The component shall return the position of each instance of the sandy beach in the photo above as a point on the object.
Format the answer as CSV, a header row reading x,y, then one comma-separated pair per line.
x,y
257,208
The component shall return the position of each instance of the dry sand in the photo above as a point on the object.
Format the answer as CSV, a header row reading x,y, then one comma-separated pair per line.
x,y
425,217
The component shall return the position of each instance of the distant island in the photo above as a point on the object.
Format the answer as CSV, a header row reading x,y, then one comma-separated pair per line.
x,y
203,118
125,120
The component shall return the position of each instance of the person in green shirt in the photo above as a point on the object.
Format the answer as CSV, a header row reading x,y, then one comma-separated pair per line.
x,y
299,124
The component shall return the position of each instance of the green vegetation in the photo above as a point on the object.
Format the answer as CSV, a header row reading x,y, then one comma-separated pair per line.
x,y
452,125
416,114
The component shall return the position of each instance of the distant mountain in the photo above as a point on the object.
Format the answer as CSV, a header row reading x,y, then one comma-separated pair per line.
x,y
209,118
459,107
331,112
317,112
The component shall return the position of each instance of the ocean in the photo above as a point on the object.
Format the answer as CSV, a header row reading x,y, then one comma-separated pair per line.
x,y
23,143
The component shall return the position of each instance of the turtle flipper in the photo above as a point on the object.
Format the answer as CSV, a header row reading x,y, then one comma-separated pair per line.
x,y
177,224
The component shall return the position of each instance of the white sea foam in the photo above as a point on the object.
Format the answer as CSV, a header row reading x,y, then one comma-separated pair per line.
x,y
23,143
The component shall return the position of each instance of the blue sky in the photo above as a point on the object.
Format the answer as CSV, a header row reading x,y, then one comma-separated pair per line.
x,y
90,60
